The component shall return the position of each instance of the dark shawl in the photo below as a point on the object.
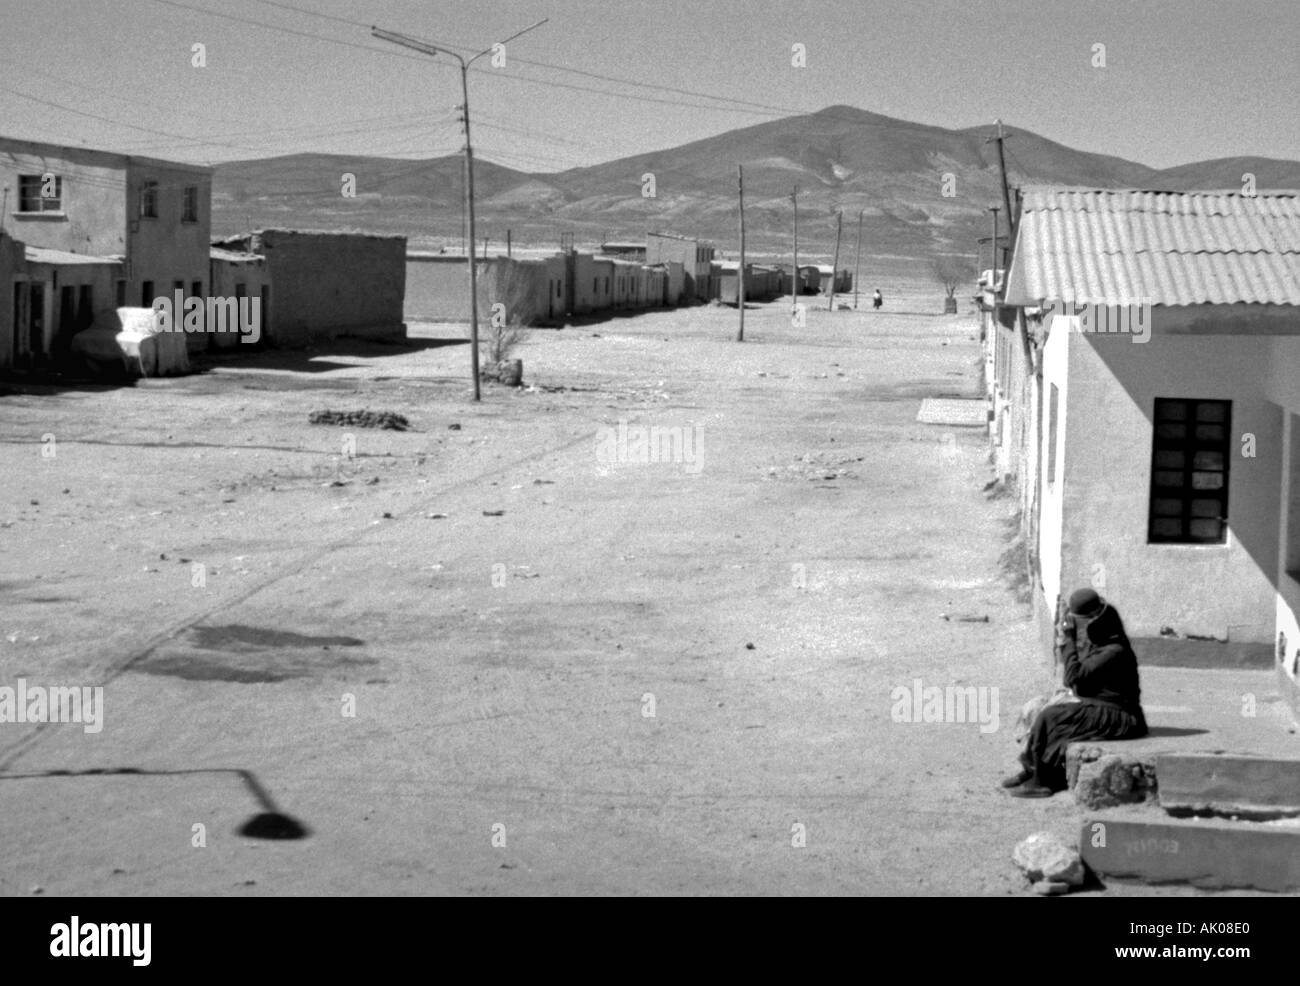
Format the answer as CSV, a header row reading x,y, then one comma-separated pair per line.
x,y
1100,664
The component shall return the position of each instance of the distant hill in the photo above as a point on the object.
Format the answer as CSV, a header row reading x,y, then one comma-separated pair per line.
x,y
841,158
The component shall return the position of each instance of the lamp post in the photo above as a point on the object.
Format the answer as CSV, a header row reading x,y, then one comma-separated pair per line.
x,y
428,48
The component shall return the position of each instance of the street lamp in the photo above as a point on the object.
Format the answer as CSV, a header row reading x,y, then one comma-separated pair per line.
x,y
428,48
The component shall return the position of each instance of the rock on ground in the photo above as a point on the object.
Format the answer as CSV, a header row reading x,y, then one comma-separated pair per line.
x,y
1044,857
1104,780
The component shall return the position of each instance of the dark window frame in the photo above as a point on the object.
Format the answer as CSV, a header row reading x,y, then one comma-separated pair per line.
x,y
1188,436
149,199
190,204
43,204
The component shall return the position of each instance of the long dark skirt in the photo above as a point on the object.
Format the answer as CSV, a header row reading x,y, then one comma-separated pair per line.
x,y
1057,726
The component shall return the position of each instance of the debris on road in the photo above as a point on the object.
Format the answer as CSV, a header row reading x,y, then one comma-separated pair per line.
x,y
360,419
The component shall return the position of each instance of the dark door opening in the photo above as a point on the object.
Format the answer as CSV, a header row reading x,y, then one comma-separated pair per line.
x,y
35,320
67,321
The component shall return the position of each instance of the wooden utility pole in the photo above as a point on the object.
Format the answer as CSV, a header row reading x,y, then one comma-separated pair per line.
x,y
794,280
994,242
835,263
1006,189
740,274
857,264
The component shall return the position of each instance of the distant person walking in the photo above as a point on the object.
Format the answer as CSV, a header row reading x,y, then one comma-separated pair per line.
x,y
877,300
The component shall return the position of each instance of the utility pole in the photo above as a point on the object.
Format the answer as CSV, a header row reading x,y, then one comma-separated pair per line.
x,y
794,280
994,242
508,253
428,48
857,264
1006,190
740,279
839,222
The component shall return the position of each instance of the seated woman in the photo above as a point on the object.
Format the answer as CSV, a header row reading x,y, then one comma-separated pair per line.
x,y
1102,669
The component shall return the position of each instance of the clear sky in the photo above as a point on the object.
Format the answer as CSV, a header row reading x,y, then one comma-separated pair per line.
x,y
1183,80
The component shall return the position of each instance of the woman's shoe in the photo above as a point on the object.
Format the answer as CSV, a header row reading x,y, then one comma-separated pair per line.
x,y
1015,780
1031,789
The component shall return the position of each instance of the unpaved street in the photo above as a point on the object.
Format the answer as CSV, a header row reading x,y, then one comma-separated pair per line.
x,y
639,677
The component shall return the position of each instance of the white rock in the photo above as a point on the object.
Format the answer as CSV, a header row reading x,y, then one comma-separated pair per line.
x,y
1043,856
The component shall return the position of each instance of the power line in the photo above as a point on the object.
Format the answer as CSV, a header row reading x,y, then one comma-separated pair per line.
x,y
285,30
558,68
772,111
119,123
99,90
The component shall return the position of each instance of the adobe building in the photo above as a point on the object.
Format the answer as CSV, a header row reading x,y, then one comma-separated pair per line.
x,y
1153,414
316,286
100,230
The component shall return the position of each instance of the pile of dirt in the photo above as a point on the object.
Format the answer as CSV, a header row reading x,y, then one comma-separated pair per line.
x,y
360,419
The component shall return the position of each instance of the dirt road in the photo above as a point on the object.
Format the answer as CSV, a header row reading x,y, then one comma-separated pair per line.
x,y
568,670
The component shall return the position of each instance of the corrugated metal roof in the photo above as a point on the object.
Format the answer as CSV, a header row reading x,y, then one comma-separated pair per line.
x,y
1107,246
44,255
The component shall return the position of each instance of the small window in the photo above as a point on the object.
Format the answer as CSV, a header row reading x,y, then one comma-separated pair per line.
x,y
40,193
196,289
1189,472
146,294
149,200
190,209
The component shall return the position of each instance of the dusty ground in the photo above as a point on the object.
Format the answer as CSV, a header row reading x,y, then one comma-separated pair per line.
x,y
502,667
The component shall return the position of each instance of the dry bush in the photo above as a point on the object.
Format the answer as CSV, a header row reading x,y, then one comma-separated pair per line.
x,y
953,271
511,285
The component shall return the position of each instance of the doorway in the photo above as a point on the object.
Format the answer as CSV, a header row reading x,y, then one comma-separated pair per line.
x,y
35,341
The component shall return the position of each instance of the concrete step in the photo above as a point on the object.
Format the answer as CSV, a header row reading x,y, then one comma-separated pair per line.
x,y
1228,784
1209,853
1106,774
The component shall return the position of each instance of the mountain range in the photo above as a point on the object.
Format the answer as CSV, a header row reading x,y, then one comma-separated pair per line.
x,y
920,189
